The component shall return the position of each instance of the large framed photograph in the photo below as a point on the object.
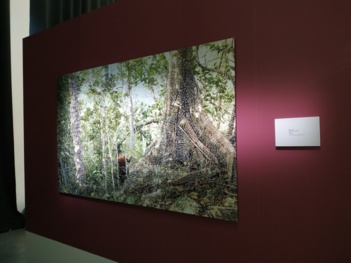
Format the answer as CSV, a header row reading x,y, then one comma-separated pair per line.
x,y
157,131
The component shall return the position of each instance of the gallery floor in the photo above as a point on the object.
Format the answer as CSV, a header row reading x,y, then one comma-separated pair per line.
x,y
21,246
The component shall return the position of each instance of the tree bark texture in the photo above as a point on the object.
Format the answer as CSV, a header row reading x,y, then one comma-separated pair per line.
x,y
75,130
188,137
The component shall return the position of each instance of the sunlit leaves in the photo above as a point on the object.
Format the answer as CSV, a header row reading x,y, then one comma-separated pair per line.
x,y
104,102
216,77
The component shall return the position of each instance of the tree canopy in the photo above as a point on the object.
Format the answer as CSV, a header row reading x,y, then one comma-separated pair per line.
x,y
171,115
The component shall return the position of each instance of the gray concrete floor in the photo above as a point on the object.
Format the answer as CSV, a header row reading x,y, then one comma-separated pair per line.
x,y
21,246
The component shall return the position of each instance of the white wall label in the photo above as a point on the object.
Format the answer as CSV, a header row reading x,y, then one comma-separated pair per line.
x,y
290,132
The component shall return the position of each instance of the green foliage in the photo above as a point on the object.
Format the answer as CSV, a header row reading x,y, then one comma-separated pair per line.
x,y
105,114
65,150
214,74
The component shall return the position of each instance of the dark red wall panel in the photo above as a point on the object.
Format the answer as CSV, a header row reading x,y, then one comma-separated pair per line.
x,y
293,59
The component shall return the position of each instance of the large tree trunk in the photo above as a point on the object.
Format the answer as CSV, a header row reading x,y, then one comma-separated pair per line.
x,y
188,137
75,130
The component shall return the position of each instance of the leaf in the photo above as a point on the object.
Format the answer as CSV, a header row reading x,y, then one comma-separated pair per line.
x,y
193,195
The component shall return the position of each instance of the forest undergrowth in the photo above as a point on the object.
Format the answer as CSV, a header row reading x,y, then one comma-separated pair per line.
x,y
208,196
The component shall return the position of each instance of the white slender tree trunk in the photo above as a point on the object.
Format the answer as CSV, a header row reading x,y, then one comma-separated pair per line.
x,y
75,130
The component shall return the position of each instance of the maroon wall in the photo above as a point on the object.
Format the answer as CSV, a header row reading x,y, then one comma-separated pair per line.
x,y
293,60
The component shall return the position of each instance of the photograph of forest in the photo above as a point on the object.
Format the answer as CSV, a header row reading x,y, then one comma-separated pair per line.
x,y
157,131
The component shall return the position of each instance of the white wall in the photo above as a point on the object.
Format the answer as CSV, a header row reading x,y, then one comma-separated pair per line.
x,y
19,21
